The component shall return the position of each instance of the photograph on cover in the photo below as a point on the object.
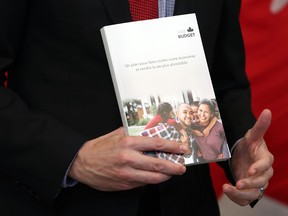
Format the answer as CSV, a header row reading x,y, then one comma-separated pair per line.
x,y
176,105
197,123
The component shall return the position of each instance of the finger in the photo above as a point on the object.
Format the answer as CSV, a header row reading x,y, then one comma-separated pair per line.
x,y
259,129
129,179
241,197
261,165
158,165
141,161
148,170
139,177
255,181
144,144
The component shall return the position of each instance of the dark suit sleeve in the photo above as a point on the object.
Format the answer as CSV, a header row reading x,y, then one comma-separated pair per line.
x,y
36,149
229,77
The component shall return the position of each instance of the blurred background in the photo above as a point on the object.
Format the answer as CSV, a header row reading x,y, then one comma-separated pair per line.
x,y
265,30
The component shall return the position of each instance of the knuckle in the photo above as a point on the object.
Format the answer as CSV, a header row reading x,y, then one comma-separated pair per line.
x,y
271,172
158,167
122,175
125,141
159,143
124,158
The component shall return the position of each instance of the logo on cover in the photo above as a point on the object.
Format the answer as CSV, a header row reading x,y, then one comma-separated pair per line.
x,y
189,32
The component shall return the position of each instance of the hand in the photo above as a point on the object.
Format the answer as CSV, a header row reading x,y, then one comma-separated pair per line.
x,y
206,132
251,163
116,162
185,141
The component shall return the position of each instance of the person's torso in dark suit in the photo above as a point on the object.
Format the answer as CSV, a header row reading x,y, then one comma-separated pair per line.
x,y
61,69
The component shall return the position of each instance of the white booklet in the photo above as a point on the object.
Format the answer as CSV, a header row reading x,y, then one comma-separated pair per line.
x,y
162,61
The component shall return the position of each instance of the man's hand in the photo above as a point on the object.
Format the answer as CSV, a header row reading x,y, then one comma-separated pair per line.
x,y
116,162
251,163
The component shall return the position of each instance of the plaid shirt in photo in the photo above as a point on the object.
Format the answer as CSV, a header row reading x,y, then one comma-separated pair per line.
x,y
165,131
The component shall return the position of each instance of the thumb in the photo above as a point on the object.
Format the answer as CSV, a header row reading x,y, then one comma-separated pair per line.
x,y
260,127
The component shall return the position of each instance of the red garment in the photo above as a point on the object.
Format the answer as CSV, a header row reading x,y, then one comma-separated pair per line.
x,y
158,119
143,10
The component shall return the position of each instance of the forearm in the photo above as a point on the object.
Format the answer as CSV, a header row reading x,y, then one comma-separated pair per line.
x,y
38,149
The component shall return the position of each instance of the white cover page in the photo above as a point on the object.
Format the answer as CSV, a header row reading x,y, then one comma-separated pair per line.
x,y
156,60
